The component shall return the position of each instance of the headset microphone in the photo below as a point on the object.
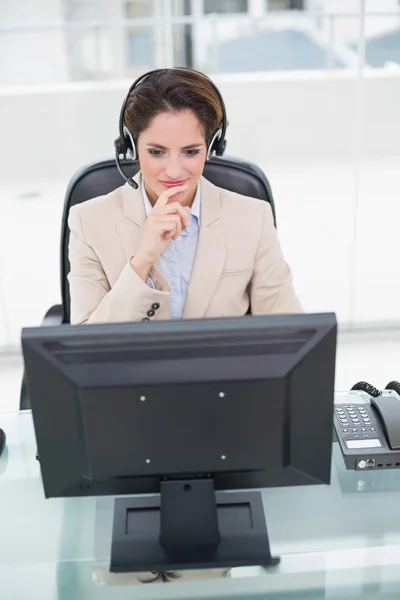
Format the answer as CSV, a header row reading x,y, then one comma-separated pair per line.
x,y
122,150
118,153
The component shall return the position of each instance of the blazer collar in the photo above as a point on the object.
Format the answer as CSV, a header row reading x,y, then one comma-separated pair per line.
x,y
133,202
210,202
210,255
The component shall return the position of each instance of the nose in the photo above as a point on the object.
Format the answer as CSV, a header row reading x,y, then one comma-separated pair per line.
x,y
174,169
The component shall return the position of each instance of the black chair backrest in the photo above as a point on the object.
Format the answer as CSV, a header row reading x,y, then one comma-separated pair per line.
x,y
101,178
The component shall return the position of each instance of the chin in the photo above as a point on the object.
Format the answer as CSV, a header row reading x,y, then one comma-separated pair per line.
x,y
181,197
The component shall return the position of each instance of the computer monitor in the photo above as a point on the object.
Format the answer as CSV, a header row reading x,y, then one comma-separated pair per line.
x,y
181,409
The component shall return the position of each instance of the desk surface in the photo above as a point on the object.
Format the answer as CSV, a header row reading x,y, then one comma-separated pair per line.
x,y
340,541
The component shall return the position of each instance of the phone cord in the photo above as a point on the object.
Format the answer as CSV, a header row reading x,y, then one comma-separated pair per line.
x,y
364,386
393,385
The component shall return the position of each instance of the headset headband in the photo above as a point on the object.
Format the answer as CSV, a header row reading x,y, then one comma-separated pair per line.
x,y
144,75
125,143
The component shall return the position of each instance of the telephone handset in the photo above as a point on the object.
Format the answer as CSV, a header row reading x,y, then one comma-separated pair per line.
x,y
388,409
369,432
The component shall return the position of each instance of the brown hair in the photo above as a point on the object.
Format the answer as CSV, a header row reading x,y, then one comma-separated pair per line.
x,y
175,89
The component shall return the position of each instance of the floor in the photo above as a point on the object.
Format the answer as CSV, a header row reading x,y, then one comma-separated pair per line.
x,y
360,356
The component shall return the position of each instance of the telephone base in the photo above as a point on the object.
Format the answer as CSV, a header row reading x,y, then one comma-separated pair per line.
x,y
368,432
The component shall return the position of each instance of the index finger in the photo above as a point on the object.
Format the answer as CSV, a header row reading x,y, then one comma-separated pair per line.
x,y
165,196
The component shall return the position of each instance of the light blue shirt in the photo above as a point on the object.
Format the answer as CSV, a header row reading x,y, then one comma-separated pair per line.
x,y
176,263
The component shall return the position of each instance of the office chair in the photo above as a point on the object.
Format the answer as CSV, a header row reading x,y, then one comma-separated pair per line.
x,y
103,177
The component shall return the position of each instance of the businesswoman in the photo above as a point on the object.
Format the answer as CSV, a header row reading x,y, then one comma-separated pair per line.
x,y
169,244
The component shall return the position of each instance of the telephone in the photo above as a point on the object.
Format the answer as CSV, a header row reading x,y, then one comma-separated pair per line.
x,y
368,432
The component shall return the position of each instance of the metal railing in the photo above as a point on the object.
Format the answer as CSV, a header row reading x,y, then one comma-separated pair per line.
x,y
166,23
332,19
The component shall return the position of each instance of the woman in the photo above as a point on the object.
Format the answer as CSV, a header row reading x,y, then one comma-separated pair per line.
x,y
177,246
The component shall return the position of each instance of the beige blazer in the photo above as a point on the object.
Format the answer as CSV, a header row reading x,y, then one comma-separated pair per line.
x,y
238,260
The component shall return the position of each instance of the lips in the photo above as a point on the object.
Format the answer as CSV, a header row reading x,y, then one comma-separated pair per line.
x,y
170,184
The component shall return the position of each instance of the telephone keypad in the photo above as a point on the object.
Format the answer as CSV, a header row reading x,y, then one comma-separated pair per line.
x,y
355,421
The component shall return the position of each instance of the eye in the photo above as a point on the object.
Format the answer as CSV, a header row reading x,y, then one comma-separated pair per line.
x,y
155,153
192,152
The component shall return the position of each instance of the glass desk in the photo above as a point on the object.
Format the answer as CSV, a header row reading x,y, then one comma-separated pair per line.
x,y
338,541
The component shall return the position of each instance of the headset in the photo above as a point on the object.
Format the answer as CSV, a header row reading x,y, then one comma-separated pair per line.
x,y
125,144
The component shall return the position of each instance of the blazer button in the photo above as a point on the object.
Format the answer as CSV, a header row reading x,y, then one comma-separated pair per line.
x,y
145,319
150,313
155,306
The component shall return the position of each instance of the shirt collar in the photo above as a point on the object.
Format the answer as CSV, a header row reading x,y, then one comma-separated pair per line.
x,y
194,211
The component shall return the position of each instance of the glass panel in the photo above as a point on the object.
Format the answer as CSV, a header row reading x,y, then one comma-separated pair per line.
x,y
225,6
280,40
284,4
135,9
4,315
25,55
140,48
183,45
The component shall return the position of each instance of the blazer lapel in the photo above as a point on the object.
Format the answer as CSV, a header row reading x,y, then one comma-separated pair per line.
x,y
210,254
135,218
130,229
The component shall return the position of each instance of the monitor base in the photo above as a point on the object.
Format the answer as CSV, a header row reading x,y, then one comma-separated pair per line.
x,y
189,526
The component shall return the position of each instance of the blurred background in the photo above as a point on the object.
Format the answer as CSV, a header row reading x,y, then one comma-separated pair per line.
x,y
312,89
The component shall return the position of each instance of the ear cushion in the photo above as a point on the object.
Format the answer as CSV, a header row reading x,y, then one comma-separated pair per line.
x,y
223,148
130,144
214,142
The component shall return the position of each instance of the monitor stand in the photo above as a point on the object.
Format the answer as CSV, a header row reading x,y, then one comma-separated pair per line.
x,y
189,526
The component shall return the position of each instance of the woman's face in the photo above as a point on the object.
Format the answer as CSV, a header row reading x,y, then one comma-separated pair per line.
x,y
172,151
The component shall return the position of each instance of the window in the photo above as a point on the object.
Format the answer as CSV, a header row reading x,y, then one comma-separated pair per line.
x,y
225,6
284,5
140,49
139,9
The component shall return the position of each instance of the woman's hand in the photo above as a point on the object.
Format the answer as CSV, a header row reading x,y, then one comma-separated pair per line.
x,y
164,223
